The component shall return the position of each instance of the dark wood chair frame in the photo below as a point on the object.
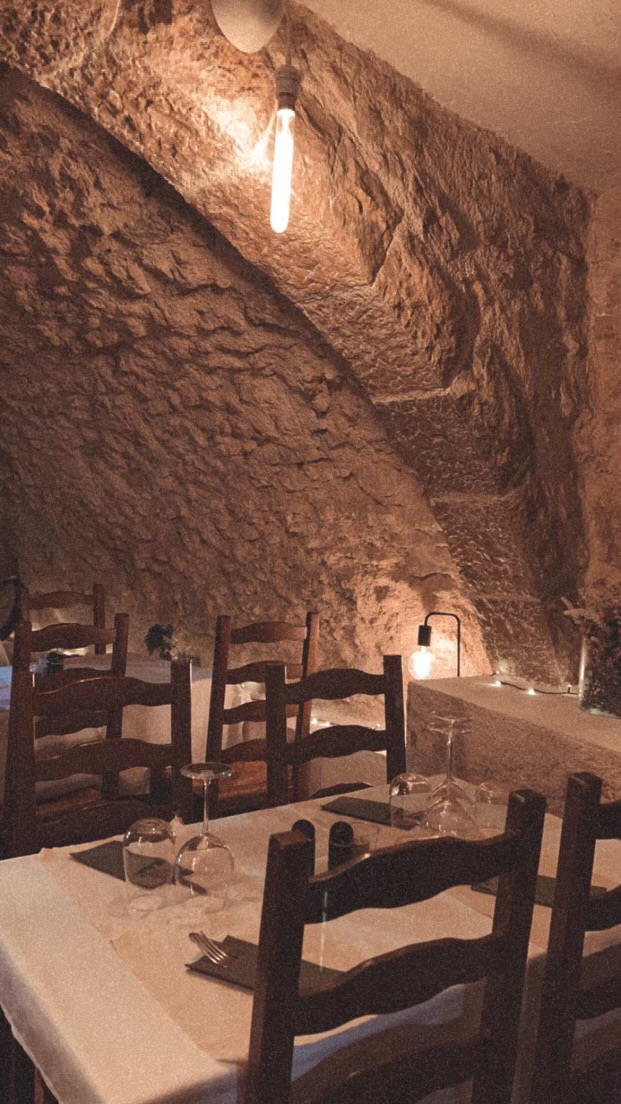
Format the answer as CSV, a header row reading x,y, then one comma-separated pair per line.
x,y
66,600
337,740
259,632
574,912
405,977
41,710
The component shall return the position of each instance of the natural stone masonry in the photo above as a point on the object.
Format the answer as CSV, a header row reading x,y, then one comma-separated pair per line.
x,y
173,428
445,267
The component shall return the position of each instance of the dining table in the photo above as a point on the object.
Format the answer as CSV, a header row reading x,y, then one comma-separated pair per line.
x,y
104,1002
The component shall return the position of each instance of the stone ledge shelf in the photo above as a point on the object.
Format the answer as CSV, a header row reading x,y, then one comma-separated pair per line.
x,y
517,738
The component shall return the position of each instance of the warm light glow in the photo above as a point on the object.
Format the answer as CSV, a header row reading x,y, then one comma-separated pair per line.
x,y
283,166
421,662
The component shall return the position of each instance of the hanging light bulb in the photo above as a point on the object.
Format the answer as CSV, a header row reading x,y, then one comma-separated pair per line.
x,y
287,84
421,661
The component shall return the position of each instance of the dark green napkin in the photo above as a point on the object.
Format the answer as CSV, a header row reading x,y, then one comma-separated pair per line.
x,y
242,968
107,857
376,811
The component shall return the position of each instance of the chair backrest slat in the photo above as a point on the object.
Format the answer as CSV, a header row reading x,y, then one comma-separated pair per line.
x,y
398,980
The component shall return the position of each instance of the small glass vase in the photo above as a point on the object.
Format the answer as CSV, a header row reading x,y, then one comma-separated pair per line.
x,y
599,687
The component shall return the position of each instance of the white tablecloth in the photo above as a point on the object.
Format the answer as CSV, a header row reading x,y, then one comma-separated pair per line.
x,y
105,1007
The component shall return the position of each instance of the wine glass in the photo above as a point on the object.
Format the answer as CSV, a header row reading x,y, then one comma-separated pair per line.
x,y
409,797
204,865
450,809
490,807
147,862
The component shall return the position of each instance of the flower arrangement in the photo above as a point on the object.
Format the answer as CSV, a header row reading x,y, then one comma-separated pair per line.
x,y
161,639
600,664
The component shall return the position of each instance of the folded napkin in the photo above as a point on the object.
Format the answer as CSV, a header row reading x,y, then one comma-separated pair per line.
x,y
242,968
544,892
106,857
376,811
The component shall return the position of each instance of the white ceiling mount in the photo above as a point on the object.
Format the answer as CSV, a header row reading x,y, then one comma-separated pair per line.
x,y
248,24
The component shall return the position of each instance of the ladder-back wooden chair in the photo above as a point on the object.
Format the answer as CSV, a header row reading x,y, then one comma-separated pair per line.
x,y
338,739
565,998
402,978
94,602
248,787
38,710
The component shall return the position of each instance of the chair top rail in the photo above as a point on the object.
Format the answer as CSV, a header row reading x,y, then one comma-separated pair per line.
x,y
70,634
408,873
59,599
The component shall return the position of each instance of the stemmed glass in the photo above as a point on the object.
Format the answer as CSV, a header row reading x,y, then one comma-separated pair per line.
x,y
204,865
449,810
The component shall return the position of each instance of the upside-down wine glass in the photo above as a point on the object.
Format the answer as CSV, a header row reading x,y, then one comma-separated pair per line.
x,y
449,810
204,865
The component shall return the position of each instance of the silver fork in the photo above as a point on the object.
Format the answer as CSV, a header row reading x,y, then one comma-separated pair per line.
x,y
212,951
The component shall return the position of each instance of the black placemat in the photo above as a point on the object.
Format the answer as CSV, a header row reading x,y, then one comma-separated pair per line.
x,y
544,891
106,857
242,969
376,811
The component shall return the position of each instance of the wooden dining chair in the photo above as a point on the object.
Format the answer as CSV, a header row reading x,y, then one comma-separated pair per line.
x,y
336,740
403,978
38,710
566,998
94,602
248,787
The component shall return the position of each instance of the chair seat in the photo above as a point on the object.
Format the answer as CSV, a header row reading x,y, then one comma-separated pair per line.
x,y
244,792
48,810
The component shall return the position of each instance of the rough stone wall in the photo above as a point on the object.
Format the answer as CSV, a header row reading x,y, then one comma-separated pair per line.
x,y
172,428
445,267
599,429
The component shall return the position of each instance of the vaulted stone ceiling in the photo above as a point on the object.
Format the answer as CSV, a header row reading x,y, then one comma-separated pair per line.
x,y
445,270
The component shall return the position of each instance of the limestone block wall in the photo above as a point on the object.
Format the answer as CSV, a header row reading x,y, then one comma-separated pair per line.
x,y
175,429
